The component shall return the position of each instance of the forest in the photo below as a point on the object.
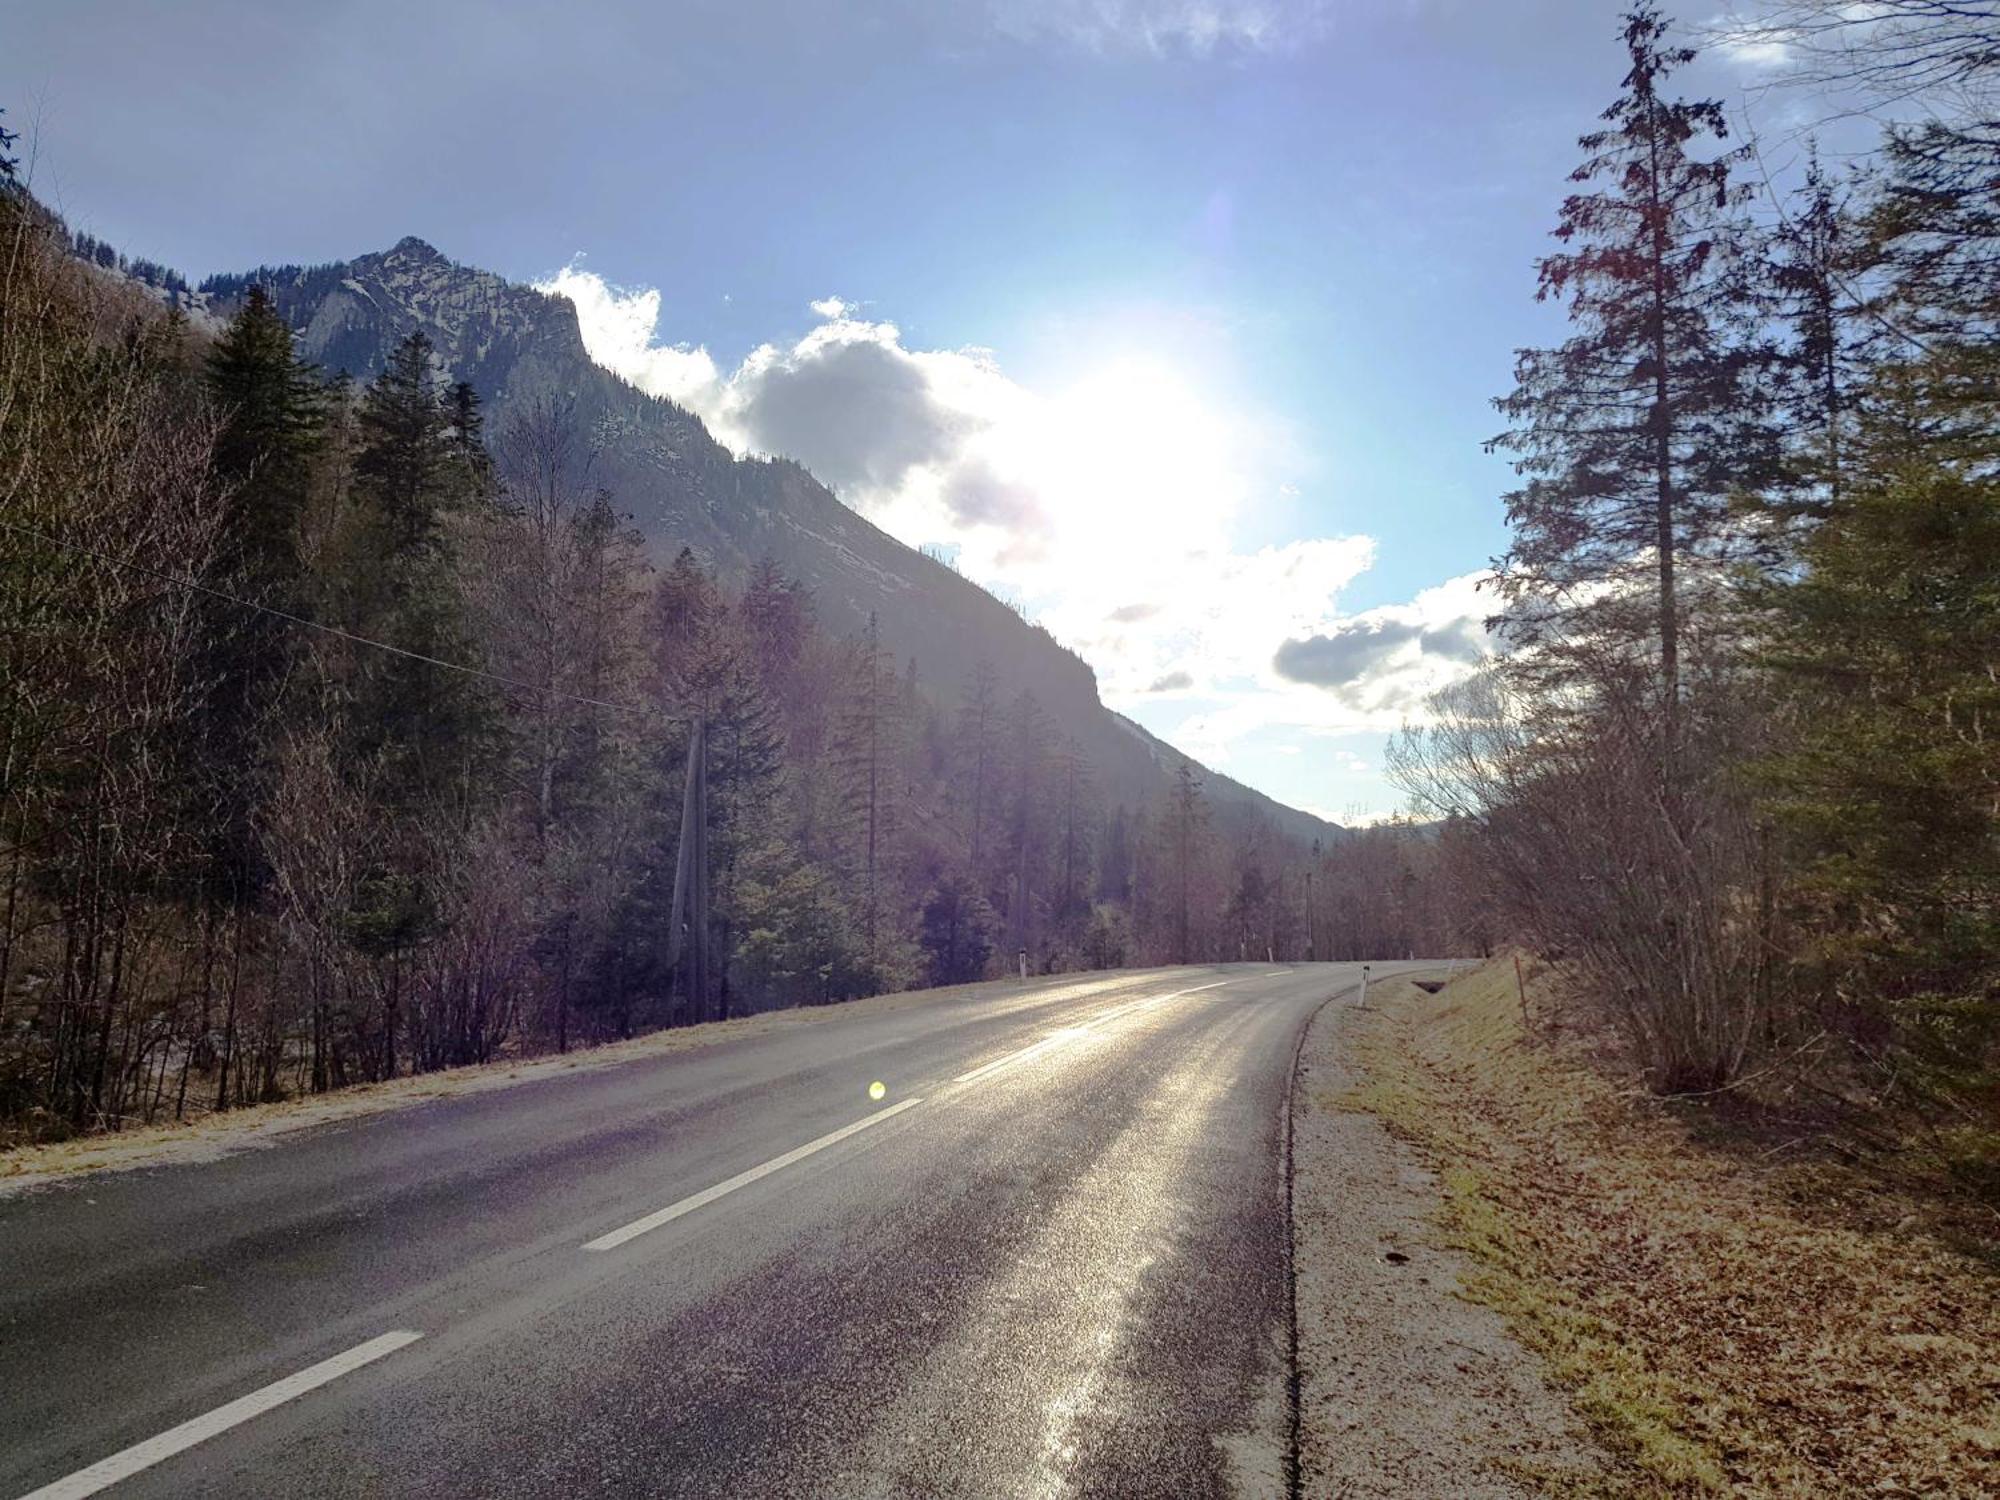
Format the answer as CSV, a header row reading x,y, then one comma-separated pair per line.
x,y
343,738
1736,768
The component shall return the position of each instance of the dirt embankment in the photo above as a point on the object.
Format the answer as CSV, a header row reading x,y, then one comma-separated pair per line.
x,y
1723,1322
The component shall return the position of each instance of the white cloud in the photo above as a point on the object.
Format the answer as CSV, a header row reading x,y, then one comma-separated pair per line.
x,y
1160,28
830,307
1363,674
1759,51
1758,45
1380,665
618,329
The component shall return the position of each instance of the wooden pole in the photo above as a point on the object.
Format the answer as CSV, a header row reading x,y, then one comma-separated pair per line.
x,y
687,921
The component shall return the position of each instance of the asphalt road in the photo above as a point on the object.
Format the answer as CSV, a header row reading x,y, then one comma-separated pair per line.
x,y
1050,1260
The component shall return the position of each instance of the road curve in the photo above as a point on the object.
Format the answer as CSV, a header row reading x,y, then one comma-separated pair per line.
x,y
1049,1261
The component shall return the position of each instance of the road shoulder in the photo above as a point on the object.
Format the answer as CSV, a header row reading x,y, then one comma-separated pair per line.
x,y
209,1136
1727,1320
1406,1388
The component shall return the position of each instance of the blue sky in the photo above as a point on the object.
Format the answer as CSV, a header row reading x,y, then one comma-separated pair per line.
x,y
1177,319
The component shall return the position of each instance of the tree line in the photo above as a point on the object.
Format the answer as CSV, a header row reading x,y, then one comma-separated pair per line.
x,y
343,737
1736,765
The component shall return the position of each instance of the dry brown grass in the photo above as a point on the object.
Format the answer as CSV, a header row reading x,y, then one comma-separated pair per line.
x,y
1724,1325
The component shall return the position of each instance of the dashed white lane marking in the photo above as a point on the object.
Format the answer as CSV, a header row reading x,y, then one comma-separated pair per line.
x,y
707,1196
123,1465
1071,1033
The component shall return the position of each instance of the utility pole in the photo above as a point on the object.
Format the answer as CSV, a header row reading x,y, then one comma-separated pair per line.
x,y
1309,908
687,920
1312,921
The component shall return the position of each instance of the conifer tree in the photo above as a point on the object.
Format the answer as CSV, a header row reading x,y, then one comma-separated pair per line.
x,y
978,719
1634,433
1888,774
423,731
1114,870
868,742
1075,838
1818,257
1186,826
408,447
1024,822
272,410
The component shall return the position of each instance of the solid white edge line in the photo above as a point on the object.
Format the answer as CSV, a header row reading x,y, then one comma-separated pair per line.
x,y
1071,1033
124,1464
707,1196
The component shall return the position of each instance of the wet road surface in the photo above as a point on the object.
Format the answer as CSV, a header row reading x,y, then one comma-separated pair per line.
x,y
1050,1260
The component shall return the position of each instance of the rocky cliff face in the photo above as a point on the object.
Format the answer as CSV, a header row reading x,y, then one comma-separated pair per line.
x,y
683,488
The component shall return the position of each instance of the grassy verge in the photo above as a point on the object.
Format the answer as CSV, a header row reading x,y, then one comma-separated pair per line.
x,y
1722,1323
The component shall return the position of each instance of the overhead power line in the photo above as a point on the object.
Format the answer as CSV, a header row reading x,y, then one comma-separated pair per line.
x,y
124,565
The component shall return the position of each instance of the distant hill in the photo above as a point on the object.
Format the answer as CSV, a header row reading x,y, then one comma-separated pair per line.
x,y
683,488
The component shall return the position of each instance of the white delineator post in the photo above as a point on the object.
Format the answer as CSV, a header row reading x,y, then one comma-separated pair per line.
x,y
1364,984
1024,963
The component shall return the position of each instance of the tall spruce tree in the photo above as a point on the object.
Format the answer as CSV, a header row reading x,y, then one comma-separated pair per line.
x,y
1818,256
409,457
1185,827
424,729
1883,647
272,411
868,739
978,723
1633,434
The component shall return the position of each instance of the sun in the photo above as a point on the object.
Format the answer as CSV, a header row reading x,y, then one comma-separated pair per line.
x,y
1140,457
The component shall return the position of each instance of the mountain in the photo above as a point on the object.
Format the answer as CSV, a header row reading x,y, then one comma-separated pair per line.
x,y
683,488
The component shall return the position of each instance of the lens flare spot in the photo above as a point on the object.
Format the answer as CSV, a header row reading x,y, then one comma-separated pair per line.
x,y
878,1089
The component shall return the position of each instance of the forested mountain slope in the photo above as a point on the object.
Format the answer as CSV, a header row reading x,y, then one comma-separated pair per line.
x,y
683,488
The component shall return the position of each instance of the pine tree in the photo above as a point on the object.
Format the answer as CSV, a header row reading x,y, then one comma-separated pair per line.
x,y
1186,827
1889,776
868,741
1075,838
959,929
272,414
423,733
687,607
1634,433
1817,259
978,717
1934,233
779,616
1024,824
1114,870
408,452
746,760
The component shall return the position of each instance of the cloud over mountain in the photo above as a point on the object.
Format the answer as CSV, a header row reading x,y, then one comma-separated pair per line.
x,y
1110,507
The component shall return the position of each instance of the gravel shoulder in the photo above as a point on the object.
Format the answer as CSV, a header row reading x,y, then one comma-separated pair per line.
x,y
1725,1320
1405,1387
